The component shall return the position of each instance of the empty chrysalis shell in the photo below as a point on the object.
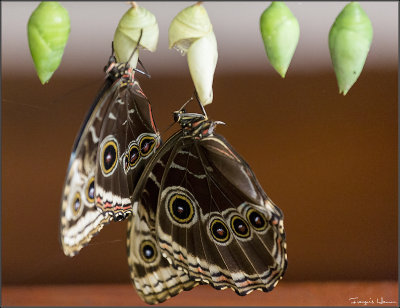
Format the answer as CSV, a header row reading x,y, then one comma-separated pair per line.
x,y
350,38
191,33
128,32
48,31
280,32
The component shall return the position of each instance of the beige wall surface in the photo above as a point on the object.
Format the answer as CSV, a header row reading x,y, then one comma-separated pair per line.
x,y
236,26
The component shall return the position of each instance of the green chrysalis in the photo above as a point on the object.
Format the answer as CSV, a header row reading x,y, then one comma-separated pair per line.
x,y
280,32
350,38
48,31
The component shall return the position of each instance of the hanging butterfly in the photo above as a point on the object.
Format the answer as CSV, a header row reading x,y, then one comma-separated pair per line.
x,y
116,139
201,216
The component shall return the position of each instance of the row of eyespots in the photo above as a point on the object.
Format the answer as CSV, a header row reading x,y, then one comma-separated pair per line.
x,y
146,145
220,231
76,204
109,154
182,211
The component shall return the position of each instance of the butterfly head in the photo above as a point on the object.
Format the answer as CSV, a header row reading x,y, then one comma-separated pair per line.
x,y
115,70
195,125
187,120
111,68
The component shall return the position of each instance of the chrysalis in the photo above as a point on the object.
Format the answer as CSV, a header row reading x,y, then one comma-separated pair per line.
x,y
48,31
349,41
191,32
280,32
126,36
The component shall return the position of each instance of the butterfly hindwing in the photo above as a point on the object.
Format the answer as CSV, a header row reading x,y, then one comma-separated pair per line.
x,y
80,219
157,281
152,275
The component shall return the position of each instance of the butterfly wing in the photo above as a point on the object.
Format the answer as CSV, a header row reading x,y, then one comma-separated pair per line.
x,y
157,280
80,219
214,220
119,119
152,275
127,139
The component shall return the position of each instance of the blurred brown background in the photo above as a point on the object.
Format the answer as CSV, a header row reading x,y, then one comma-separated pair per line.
x,y
328,161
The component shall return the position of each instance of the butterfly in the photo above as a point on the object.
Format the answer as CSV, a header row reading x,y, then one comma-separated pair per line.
x,y
116,140
201,216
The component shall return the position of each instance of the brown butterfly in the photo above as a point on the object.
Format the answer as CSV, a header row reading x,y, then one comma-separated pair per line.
x,y
201,216
115,142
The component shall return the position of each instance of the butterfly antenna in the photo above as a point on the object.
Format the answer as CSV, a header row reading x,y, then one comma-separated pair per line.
x,y
144,72
136,47
200,104
188,101
112,48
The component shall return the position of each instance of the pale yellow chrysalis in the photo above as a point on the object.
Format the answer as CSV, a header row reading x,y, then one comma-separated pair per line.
x,y
191,33
127,34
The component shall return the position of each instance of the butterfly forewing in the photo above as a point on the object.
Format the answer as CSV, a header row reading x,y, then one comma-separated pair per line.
x,y
127,140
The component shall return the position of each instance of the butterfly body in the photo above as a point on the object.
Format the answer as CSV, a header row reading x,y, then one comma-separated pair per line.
x,y
208,214
116,139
